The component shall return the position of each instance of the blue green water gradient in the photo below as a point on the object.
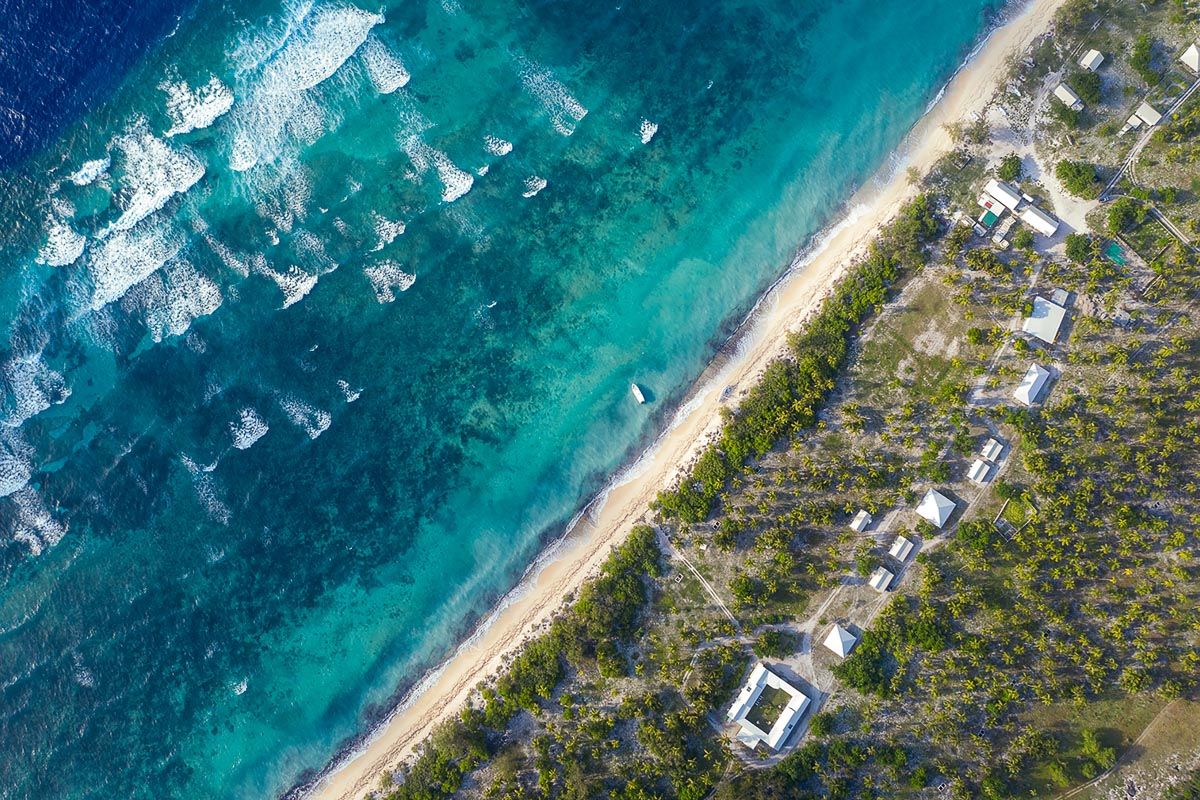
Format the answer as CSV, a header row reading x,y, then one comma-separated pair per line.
x,y
319,326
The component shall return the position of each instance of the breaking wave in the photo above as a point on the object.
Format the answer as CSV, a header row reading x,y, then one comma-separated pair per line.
x,y
387,279
195,108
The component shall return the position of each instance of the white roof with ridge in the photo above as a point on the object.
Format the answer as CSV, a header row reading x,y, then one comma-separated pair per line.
x,y
901,548
1092,60
1031,385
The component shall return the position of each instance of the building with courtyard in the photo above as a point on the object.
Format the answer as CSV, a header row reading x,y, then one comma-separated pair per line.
x,y
767,709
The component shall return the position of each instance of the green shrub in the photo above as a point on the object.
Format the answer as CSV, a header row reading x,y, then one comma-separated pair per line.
x,y
1140,59
1087,85
1079,247
1079,178
1009,168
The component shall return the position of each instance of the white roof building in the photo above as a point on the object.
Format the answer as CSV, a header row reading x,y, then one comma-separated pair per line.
x,y
901,548
1039,220
1031,385
992,450
1092,60
862,521
1148,114
1191,58
881,579
935,507
980,471
1009,197
1133,123
752,724
841,641
1045,321
1068,97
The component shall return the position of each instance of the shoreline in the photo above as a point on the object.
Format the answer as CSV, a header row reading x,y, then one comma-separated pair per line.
x,y
786,305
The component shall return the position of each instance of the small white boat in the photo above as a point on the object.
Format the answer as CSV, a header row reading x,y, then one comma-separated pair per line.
x,y
637,393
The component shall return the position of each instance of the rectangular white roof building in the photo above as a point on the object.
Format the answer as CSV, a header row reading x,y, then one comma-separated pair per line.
x,y
1148,114
1045,321
751,734
1039,220
1031,385
992,450
1191,58
881,579
861,521
1068,97
1009,197
980,472
1092,60
901,548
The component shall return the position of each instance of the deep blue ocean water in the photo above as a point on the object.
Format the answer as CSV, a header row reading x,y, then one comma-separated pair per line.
x,y
318,319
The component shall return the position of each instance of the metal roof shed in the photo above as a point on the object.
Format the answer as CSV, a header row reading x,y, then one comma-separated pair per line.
x,y
1009,197
1045,321
1092,60
1031,385
1039,220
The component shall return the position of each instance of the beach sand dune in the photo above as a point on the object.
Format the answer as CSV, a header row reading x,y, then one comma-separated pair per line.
x,y
763,338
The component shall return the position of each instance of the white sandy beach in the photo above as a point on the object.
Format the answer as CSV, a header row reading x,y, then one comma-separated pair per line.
x,y
786,308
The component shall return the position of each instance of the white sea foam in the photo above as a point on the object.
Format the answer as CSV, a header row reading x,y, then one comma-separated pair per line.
x,y
229,258
193,108
306,416
384,68
239,687
64,245
127,257
15,470
294,282
32,523
154,172
247,429
386,231
351,394
455,182
647,130
90,170
497,146
174,296
533,185
328,37
387,279
206,489
564,110
83,676
30,387
280,68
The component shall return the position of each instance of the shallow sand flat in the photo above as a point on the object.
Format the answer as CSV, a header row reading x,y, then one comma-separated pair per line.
x,y
785,308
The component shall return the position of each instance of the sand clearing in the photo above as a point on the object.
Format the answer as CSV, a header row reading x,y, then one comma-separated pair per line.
x,y
785,308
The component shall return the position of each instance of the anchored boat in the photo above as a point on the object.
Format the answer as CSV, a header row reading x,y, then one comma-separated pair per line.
x,y
637,393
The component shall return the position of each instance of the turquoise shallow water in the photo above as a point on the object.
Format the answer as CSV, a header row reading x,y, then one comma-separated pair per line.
x,y
320,325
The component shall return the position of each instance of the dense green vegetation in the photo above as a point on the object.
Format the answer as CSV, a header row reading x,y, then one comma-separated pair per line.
x,y
1009,168
1087,85
1140,58
1079,178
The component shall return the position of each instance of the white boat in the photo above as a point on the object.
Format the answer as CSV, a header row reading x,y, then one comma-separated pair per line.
x,y
637,392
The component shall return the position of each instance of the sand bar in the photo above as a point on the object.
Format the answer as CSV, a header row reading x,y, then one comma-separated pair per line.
x,y
785,308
